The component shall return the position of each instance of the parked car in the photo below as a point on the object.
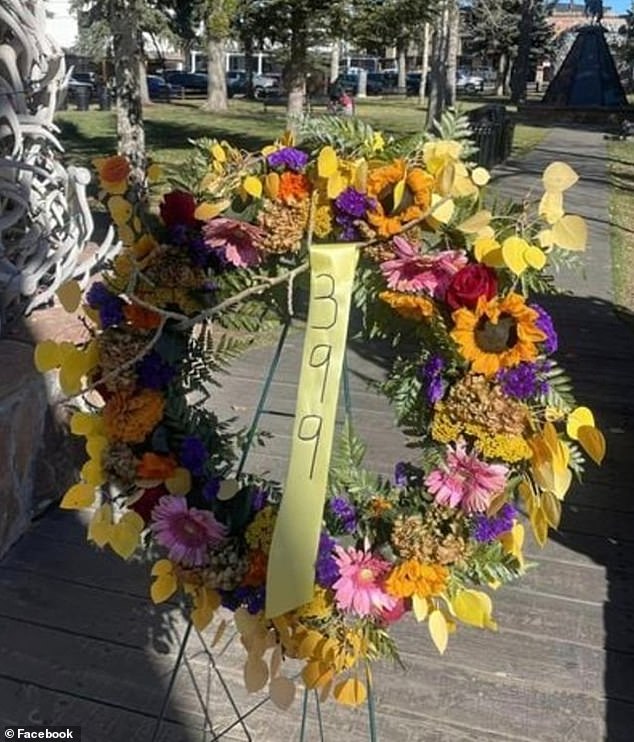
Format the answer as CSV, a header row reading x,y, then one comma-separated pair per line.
x,y
412,83
350,83
263,85
79,92
190,82
468,82
159,89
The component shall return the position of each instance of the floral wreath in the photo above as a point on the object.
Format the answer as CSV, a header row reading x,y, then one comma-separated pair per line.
x,y
473,382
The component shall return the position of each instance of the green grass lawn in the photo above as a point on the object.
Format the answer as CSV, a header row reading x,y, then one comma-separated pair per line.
x,y
169,127
621,163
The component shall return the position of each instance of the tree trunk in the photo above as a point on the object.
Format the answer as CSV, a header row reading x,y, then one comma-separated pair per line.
x,y
295,70
519,78
499,78
507,75
438,78
124,24
453,43
424,66
217,82
249,64
335,57
143,88
402,66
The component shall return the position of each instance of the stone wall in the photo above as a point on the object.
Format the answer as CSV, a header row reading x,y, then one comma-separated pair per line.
x,y
37,454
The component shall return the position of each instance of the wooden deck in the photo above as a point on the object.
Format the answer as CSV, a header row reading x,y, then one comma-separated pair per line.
x,y
81,643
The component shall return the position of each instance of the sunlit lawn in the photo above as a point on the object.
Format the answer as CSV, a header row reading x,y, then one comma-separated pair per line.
x,y
621,156
88,134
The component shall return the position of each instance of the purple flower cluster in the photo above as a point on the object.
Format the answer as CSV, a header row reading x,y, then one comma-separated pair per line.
x,y
260,499
153,372
351,205
486,529
109,305
193,454
345,513
431,375
523,381
289,157
326,570
251,597
545,324
400,474
211,489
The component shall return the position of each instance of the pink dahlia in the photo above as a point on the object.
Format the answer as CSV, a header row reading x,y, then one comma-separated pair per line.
x,y
359,587
426,272
466,481
238,240
187,533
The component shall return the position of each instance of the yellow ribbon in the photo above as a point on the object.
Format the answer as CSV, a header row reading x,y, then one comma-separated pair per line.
x,y
291,566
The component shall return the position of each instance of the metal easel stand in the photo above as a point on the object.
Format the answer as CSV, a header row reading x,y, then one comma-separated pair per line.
x,y
209,733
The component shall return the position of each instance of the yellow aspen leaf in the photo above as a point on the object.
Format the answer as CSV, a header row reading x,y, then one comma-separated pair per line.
x,y
288,138
100,525
480,176
96,445
83,423
219,633
133,520
218,153
324,691
253,186
593,442
154,173
559,176
513,253
47,356
316,674
551,506
360,180
469,608
570,232
438,630
163,587
207,210
162,567
513,542
206,602
350,692
476,223
336,184
69,295
397,195
92,473
180,482
545,238
309,643
272,185
539,525
79,496
256,674
420,606
327,163
70,380
442,209
326,649
282,692
535,257
124,538
446,178
551,206
578,417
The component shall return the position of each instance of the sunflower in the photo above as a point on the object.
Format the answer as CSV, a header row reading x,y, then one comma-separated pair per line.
x,y
500,333
388,217
408,305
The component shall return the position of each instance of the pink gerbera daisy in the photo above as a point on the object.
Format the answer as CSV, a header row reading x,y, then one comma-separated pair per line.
x,y
412,270
238,240
359,587
187,533
466,481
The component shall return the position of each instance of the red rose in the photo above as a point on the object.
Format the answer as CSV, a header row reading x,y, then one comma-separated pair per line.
x,y
469,284
178,207
148,501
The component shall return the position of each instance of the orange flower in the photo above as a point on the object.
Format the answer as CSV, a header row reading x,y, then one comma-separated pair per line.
x,y
293,187
113,173
497,334
415,578
130,417
256,574
408,305
138,316
155,466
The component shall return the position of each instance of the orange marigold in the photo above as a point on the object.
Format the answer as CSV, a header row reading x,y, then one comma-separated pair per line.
x,y
415,578
408,305
113,173
130,417
138,316
156,466
293,187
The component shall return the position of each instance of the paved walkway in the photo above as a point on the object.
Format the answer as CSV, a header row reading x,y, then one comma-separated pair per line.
x,y
80,642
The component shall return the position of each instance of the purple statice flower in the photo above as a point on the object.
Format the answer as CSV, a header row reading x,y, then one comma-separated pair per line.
x,y
179,234
153,372
545,324
260,499
109,306
326,569
430,374
211,489
351,205
251,597
523,381
345,513
485,528
193,454
289,157
400,474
